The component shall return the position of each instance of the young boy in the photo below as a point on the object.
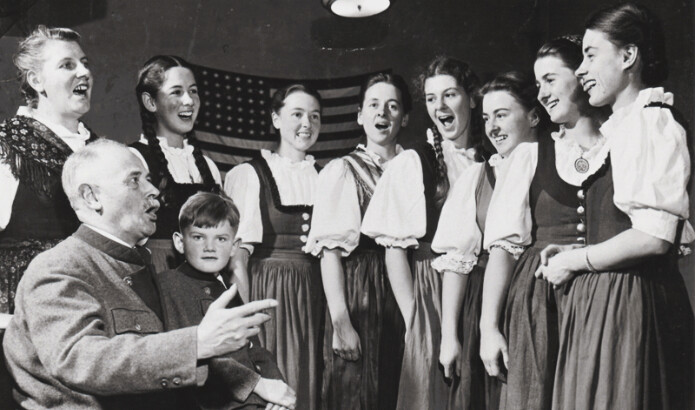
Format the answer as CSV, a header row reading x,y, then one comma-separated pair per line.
x,y
249,377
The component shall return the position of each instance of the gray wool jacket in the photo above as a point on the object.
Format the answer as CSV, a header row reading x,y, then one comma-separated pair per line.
x,y
82,338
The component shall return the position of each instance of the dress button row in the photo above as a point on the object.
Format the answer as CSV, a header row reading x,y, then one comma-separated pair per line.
x,y
176,381
303,238
581,227
581,240
581,195
580,210
305,216
305,228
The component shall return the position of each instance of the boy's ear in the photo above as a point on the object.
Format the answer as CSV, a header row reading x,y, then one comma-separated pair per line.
x,y
178,243
236,245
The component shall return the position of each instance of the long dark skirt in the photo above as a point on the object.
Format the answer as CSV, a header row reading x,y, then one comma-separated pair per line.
x,y
531,328
356,385
14,259
627,342
422,384
474,389
295,331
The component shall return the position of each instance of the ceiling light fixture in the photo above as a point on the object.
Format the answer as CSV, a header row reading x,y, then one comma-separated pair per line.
x,y
356,8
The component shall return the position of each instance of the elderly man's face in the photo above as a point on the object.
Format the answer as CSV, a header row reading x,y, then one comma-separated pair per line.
x,y
127,197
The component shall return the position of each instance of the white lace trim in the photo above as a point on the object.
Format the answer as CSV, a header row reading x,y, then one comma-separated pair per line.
x,y
316,248
515,250
453,262
389,242
685,250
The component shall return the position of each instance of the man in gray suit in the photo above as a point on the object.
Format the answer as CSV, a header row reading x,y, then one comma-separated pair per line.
x,y
88,324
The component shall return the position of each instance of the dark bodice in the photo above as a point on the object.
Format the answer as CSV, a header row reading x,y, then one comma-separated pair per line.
x,y
39,216
172,196
285,227
429,164
556,216
484,192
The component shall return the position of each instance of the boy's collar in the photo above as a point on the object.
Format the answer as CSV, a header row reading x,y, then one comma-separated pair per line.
x,y
193,273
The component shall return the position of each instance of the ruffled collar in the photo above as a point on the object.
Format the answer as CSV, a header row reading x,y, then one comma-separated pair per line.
x,y
375,157
496,160
308,161
571,145
58,129
185,151
646,96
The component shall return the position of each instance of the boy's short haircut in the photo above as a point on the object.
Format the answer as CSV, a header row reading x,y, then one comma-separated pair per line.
x,y
208,210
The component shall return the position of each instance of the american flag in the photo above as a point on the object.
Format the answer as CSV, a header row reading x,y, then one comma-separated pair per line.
x,y
234,122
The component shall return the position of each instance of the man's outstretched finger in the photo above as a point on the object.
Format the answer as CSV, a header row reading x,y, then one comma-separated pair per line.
x,y
253,307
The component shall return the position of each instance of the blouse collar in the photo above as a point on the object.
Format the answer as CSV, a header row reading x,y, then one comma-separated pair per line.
x,y
308,161
375,157
558,136
58,129
185,151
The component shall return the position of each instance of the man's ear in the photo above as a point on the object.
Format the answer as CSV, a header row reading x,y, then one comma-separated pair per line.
x,y
178,243
89,197
149,102
630,55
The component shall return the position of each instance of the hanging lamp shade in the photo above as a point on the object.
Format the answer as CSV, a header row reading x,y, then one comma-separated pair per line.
x,y
356,8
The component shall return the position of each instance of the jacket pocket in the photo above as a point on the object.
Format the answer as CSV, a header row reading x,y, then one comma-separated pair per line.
x,y
135,321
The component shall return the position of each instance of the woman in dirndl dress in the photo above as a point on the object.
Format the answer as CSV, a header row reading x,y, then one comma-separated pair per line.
x,y
169,103
535,204
459,238
274,194
627,324
35,214
360,362
403,215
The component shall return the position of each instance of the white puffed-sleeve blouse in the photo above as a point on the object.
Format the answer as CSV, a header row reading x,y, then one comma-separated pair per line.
x,y
396,215
650,166
337,216
458,235
296,182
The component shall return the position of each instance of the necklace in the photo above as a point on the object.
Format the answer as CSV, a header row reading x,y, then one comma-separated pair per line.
x,y
581,164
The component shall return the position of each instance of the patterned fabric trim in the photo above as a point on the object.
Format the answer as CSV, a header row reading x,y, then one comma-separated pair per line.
x,y
453,262
34,153
515,250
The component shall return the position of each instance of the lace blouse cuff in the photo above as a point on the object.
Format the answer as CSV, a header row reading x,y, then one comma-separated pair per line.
x,y
389,242
316,247
454,262
515,250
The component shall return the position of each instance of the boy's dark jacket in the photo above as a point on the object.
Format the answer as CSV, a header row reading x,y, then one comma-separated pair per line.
x,y
187,294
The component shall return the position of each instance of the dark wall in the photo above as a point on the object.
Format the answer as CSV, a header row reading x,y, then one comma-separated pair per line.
x,y
300,39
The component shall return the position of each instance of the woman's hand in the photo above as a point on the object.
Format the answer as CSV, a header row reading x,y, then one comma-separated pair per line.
x,y
450,354
560,268
346,342
493,348
276,392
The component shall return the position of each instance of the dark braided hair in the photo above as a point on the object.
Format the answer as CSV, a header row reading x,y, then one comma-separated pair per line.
x,y
468,80
150,79
630,23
